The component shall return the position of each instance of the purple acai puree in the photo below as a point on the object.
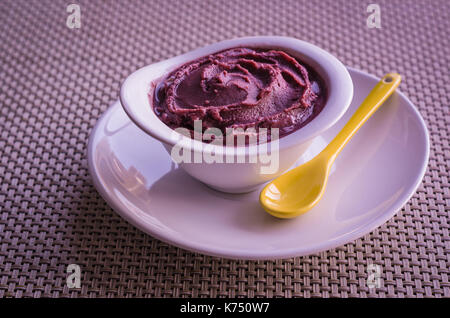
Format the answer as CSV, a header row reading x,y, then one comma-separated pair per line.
x,y
241,88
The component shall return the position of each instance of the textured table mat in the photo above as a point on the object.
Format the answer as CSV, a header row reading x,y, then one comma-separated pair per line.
x,y
55,82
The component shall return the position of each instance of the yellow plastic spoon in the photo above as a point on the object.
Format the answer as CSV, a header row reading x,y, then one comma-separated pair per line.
x,y
300,189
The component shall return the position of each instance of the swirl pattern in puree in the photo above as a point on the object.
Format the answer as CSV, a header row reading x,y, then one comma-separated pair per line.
x,y
241,88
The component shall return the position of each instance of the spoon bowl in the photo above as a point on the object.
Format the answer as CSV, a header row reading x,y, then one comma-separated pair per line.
x,y
296,191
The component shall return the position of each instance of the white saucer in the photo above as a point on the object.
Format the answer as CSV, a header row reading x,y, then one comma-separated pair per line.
x,y
372,179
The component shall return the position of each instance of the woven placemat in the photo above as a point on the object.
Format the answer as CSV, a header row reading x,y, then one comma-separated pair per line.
x,y
55,82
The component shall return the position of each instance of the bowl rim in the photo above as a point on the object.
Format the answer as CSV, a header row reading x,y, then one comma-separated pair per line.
x,y
134,94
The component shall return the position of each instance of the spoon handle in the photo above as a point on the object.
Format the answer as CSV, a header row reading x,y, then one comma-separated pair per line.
x,y
384,88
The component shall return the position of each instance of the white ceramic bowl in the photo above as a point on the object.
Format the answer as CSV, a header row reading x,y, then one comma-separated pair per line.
x,y
240,177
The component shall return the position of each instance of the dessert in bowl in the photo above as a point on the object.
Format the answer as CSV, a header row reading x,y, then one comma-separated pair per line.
x,y
239,87
240,90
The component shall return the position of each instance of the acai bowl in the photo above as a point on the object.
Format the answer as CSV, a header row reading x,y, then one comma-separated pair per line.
x,y
237,168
